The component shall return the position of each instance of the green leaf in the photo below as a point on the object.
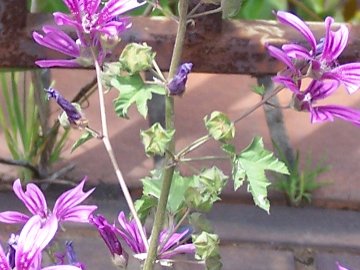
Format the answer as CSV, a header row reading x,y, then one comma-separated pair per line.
x,y
214,180
205,189
133,90
250,165
144,205
83,139
136,57
230,8
206,244
259,89
229,149
179,186
156,139
220,127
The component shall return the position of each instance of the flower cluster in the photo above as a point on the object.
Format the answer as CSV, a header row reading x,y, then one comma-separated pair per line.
x,y
318,61
25,250
97,27
171,243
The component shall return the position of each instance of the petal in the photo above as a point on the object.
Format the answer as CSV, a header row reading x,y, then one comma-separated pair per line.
x,y
73,5
13,217
335,42
4,264
114,8
91,6
57,40
328,112
57,63
281,56
348,74
321,89
173,240
182,249
65,19
33,198
79,213
288,82
296,51
70,199
130,233
293,21
34,237
113,28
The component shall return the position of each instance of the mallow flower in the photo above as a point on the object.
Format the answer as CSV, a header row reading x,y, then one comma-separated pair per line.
x,y
107,232
318,90
67,207
91,20
97,28
33,238
170,243
318,59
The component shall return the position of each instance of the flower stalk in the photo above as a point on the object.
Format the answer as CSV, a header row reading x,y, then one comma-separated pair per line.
x,y
169,123
110,151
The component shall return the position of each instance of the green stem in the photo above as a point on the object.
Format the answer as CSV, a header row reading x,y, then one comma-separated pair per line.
x,y
203,158
169,122
110,151
200,141
213,11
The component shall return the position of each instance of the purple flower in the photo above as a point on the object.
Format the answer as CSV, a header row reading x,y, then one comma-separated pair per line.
x,y
34,237
71,255
97,30
318,60
318,90
73,115
170,242
177,84
66,207
108,234
92,21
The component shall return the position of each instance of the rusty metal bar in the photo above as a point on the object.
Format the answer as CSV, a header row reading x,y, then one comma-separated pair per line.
x,y
237,47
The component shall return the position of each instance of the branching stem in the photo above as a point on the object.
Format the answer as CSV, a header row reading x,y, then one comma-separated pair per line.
x,y
109,149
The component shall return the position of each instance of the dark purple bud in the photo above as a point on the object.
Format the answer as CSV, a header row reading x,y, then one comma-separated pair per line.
x,y
71,255
177,84
107,233
72,113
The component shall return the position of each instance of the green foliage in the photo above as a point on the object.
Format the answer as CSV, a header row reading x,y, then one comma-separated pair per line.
x,y
205,189
230,8
250,166
299,184
152,187
21,125
49,6
136,57
259,89
144,206
156,139
207,249
86,136
133,90
220,127
260,9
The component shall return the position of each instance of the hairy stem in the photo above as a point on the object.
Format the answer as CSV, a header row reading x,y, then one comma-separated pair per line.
x,y
169,122
109,149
